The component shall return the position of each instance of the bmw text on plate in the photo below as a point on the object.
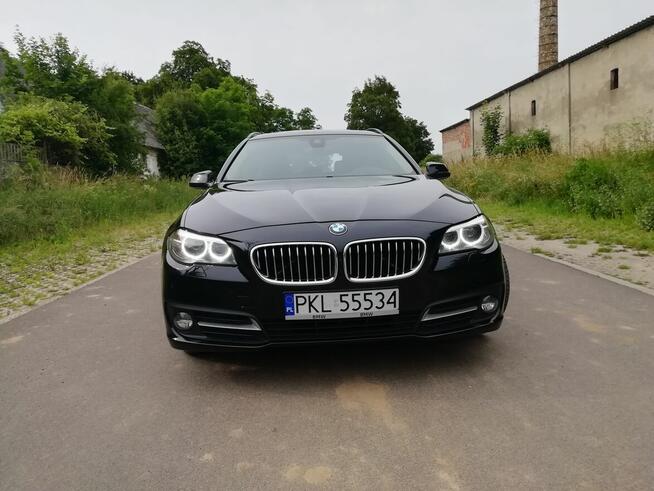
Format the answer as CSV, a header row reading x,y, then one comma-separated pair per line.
x,y
328,236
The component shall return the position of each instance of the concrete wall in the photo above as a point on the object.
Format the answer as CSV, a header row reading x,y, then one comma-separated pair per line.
x,y
457,143
151,162
575,101
597,111
475,121
552,107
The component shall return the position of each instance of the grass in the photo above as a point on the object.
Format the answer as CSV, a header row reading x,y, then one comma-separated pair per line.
x,y
46,269
545,220
597,198
56,204
60,229
82,247
538,250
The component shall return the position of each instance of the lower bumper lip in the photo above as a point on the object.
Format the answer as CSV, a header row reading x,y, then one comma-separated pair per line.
x,y
179,342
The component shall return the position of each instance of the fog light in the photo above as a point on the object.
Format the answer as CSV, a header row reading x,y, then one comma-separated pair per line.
x,y
489,304
183,321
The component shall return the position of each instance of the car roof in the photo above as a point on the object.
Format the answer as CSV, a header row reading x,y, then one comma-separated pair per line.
x,y
278,134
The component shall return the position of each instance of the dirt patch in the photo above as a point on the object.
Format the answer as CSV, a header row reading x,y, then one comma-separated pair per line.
x,y
44,280
319,474
370,399
12,340
634,266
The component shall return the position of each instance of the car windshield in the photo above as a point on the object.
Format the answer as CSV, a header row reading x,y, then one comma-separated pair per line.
x,y
292,157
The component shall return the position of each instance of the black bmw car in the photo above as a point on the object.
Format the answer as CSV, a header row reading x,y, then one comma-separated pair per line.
x,y
328,236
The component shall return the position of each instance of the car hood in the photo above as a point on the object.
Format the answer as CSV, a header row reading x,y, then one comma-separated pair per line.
x,y
231,207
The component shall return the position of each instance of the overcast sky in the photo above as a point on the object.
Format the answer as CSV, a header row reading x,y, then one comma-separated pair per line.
x,y
441,55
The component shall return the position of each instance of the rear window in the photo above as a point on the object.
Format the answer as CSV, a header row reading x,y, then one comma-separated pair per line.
x,y
297,157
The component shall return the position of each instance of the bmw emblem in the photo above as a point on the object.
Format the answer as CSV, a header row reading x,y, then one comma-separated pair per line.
x,y
337,228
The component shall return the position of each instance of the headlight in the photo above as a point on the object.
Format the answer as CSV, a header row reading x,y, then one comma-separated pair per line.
x,y
187,247
475,234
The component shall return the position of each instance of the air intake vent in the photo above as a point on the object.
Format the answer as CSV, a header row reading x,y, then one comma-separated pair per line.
x,y
383,259
297,263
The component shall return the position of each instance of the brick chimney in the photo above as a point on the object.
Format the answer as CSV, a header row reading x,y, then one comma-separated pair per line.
x,y
548,40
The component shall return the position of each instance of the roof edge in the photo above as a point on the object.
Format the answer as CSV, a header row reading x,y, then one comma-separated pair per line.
x,y
452,126
634,28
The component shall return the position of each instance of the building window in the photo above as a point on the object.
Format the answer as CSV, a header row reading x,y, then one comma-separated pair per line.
x,y
533,108
615,79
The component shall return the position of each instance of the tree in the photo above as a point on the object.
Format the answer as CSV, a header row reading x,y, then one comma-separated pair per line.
x,y
200,128
190,64
114,100
71,134
270,117
230,116
151,90
305,119
189,60
378,105
180,120
415,139
11,76
129,76
54,70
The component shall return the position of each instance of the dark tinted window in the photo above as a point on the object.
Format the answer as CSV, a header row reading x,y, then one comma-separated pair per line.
x,y
318,156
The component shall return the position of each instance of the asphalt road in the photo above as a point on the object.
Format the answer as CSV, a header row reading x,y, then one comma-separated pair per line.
x,y
92,397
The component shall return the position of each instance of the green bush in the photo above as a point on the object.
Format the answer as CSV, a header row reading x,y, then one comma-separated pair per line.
x,y
610,185
70,133
200,128
53,70
594,188
491,120
55,203
534,140
513,180
645,216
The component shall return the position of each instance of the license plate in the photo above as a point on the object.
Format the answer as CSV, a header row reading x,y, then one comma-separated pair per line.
x,y
339,305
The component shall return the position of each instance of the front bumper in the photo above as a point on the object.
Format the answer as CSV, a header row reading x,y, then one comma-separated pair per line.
x,y
233,308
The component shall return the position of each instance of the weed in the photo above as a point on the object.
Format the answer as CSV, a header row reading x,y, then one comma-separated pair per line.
x,y
62,203
603,197
538,250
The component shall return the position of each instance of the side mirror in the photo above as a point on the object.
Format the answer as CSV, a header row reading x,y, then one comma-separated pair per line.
x,y
201,179
437,170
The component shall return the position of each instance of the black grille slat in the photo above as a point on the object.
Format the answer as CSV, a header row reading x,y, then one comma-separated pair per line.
x,y
380,259
295,263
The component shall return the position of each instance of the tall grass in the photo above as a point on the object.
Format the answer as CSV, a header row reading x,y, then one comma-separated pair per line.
x,y
57,203
603,185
